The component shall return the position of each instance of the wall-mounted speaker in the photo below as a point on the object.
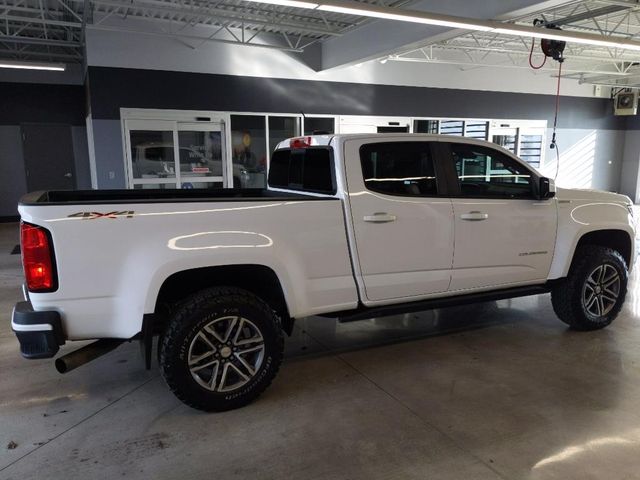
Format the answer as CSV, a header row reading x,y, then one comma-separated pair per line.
x,y
626,102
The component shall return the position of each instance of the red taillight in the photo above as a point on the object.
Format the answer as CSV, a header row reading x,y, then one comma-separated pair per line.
x,y
37,258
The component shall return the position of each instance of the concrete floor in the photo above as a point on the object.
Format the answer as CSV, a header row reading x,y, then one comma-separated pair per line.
x,y
493,391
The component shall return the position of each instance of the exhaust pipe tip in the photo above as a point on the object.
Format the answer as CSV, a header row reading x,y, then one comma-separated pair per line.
x,y
83,355
61,365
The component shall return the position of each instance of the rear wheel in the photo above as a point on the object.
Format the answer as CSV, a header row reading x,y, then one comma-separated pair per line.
x,y
222,348
593,293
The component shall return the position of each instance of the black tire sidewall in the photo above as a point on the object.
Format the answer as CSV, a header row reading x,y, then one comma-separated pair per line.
x,y
595,259
174,357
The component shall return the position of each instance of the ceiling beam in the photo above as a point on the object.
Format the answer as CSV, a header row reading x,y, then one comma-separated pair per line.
x,y
190,37
39,41
598,12
196,15
42,21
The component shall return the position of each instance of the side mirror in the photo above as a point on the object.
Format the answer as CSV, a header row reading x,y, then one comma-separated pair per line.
x,y
546,188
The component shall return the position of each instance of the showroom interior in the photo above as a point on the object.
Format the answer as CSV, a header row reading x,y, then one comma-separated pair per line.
x,y
130,95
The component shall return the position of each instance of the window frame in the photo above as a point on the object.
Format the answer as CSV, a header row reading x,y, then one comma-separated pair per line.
x,y
434,150
453,182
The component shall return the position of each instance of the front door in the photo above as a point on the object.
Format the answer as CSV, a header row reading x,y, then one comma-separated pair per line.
x,y
48,157
403,228
503,235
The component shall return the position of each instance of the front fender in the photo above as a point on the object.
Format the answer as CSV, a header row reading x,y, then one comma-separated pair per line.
x,y
579,218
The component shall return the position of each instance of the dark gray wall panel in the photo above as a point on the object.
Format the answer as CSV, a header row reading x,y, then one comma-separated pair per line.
x,y
113,88
632,122
13,182
40,103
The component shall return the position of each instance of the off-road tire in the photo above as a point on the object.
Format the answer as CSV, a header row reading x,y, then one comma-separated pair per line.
x,y
187,321
567,294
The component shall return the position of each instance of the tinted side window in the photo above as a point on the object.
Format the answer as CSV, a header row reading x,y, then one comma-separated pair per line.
x,y
308,169
399,168
484,172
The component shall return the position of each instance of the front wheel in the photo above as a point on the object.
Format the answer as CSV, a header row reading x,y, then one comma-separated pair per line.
x,y
222,348
592,295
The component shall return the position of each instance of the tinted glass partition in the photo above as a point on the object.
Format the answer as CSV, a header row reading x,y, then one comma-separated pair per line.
x,y
248,151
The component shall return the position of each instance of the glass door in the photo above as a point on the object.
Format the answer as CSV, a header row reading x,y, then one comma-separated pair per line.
x,y
200,152
150,150
166,154
281,128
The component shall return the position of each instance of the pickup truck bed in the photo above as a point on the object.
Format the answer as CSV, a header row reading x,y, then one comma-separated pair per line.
x,y
115,255
87,197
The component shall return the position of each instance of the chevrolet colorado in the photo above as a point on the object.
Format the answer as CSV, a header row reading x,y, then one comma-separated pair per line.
x,y
350,226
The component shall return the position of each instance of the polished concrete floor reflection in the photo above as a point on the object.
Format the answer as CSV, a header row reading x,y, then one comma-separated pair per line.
x,y
493,391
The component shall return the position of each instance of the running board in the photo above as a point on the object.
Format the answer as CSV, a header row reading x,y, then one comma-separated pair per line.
x,y
363,313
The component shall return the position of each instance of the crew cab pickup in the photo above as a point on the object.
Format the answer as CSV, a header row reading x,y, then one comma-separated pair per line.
x,y
350,226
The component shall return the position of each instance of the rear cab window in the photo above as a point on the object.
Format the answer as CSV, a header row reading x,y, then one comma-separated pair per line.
x,y
304,169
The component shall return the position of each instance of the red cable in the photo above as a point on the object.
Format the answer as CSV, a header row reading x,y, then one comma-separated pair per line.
x,y
533,42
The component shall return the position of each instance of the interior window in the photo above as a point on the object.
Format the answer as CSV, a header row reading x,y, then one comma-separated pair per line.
x,y
484,172
399,168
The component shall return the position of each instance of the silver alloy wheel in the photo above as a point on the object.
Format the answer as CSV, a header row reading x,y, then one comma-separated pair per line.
x,y
226,353
601,290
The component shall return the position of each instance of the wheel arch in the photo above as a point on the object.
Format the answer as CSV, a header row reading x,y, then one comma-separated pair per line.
x,y
260,280
618,240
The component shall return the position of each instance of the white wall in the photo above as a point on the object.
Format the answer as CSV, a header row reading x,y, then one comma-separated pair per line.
x,y
129,50
589,158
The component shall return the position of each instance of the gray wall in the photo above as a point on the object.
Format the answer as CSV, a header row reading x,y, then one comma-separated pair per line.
x,y
81,157
12,172
13,182
589,136
25,99
107,140
630,165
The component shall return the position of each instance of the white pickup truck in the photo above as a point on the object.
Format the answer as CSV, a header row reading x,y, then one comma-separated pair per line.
x,y
351,226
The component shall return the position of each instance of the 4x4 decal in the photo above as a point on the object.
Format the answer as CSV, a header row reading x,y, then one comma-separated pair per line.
x,y
96,215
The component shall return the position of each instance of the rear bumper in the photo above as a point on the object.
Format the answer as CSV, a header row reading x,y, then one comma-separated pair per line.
x,y
39,333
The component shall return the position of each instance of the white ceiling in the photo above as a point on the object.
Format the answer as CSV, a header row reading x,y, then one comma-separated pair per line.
x,y
54,30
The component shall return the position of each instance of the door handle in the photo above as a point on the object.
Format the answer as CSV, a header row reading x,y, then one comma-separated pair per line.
x,y
474,216
68,175
380,217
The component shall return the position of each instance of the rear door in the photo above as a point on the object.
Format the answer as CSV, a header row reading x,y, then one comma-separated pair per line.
x,y
48,157
504,236
402,225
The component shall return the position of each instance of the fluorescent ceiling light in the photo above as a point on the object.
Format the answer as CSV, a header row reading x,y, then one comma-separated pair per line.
x,y
288,3
403,17
414,16
56,67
